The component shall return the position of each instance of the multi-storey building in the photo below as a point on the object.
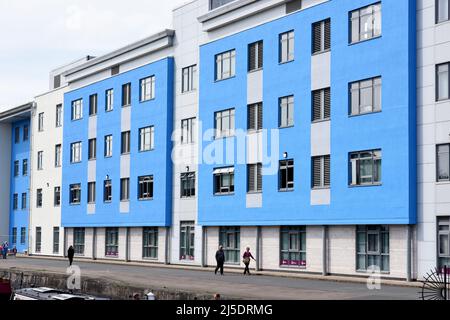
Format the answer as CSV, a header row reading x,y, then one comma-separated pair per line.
x,y
315,132
15,176
46,178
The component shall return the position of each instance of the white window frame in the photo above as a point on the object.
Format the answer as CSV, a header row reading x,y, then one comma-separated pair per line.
x,y
75,152
286,46
146,138
147,89
109,100
225,65
188,130
77,109
189,78
372,13
108,149
222,118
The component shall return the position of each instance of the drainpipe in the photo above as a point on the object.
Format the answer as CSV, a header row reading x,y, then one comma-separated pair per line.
x,y
167,246
258,248
94,244
30,179
65,243
325,251
127,247
408,253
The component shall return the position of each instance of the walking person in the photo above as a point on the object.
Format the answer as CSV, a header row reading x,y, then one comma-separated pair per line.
x,y
5,250
70,254
246,259
220,259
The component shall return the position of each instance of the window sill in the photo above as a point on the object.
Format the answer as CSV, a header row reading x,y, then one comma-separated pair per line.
x,y
112,256
187,198
225,137
285,62
286,190
282,266
109,110
188,92
442,182
125,153
92,115
150,258
223,79
126,106
369,272
442,101
108,156
107,201
141,151
223,194
254,192
285,127
74,162
254,131
92,159
365,185
321,188
255,70
146,100
364,40
75,204
364,114
320,52
320,120
144,199
91,202
125,201
442,22
73,120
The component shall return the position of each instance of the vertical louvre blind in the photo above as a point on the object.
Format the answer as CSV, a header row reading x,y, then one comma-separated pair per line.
x,y
321,36
321,171
255,117
321,104
255,56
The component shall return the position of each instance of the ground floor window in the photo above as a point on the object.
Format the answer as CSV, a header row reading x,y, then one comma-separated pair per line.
x,y
150,243
55,240
14,235
372,247
187,240
23,233
443,242
293,246
112,242
229,238
38,239
78,241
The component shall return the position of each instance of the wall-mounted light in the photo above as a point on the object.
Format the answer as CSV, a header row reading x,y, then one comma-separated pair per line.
x,y
187,168
107,177
285,154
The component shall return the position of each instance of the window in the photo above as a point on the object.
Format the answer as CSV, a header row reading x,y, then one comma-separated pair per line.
x,y
213,4
254,177
108,146
40,159
112,242
365,23
443,241
75,152
93,104
126,95
55,240
92,152
255,116
187,130
321,35
145,188
78,241
225,65
57,196
125,189
14,236
41,122
58,155
321,102
91,192
147,88
39,198
365,96
286,175
109,100
146,138
372,247
59,115
150,243
443,162
107,191
38,239
75,193
16,134
15,201
187,240
365,167
229,238
189,78
255,56
286,114
24,200
443,82
223,181
25,167
286,47
321,172
23,233
125,145
16,168
293,246
224,123
442,10
187,182
25,133
77,109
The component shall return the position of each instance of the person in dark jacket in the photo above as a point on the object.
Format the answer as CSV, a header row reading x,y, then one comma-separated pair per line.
x,y
220,258
70,254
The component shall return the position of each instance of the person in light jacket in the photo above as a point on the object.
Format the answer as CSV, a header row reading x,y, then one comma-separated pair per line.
x,y
246,259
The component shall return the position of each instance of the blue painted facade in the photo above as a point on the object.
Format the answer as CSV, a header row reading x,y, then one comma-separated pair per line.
x,y
19,218
393,130
158,113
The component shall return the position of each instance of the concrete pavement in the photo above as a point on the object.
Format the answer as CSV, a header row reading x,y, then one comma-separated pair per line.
x,y
261,285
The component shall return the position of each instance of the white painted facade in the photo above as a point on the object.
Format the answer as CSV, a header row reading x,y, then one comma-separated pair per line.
x,y
433,128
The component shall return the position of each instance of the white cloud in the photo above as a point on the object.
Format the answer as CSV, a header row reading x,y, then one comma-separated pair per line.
x,y
38,36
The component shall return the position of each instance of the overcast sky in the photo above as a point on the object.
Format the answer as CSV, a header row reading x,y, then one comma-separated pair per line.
x,y
38,36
